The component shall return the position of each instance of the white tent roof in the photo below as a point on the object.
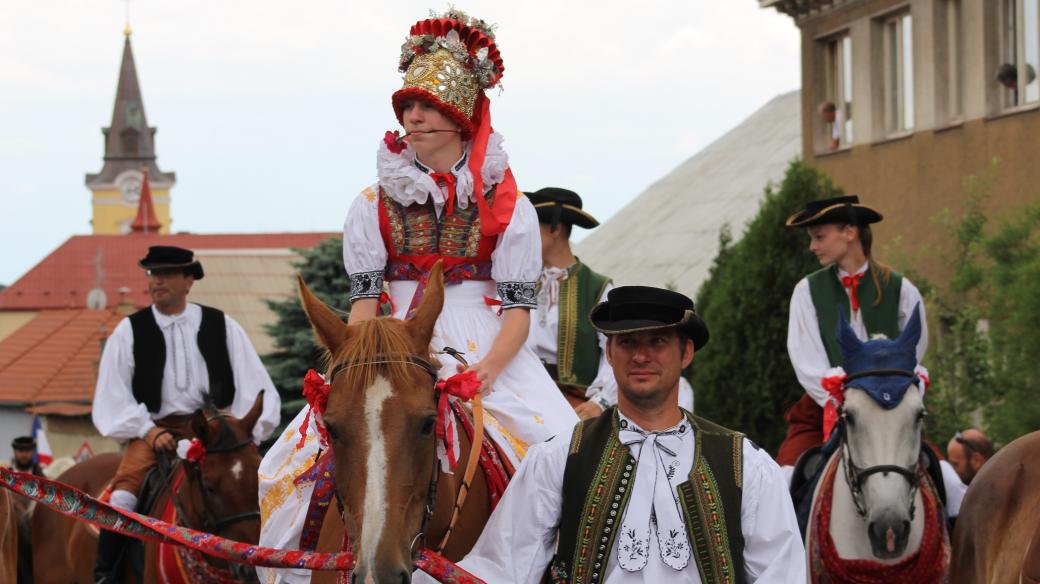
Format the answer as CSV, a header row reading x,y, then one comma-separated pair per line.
x,y
668,235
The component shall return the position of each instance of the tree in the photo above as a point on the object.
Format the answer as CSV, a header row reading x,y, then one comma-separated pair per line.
x,y
296,348
743,377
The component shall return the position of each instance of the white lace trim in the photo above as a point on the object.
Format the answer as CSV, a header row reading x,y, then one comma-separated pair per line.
x,y
407,184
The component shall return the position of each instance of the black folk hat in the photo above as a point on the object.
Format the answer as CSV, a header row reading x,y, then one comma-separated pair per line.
x,y
23,443
166,257
555,205
847,210
630,309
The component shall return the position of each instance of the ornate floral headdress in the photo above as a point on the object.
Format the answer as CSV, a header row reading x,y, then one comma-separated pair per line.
x,y
449,60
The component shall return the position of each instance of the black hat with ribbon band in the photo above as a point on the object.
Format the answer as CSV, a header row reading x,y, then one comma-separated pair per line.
x,y
631,309
168,257
847,210
23,443
555,205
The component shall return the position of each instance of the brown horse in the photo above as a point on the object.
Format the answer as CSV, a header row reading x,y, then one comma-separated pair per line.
x,y
8,538
380,416
997,536
216,496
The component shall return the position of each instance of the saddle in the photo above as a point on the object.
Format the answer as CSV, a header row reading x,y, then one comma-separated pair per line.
x,y
810,466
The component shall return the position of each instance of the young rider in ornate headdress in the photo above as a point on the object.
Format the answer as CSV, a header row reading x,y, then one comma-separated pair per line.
x,y
873,298
561,334
445,192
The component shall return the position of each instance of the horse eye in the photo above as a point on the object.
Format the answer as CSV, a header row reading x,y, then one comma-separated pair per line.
x,y
922,415
427,425
849,418
333,434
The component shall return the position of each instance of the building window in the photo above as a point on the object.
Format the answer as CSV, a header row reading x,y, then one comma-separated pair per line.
x,y
949,61
1019,53
898,72
836,107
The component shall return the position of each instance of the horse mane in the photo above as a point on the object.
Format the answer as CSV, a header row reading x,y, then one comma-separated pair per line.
x,y
370,341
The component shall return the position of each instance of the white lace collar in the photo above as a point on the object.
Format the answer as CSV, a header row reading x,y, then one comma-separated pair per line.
x,y
408,183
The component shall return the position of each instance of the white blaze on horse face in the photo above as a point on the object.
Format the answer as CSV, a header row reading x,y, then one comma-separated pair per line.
x,y
375,470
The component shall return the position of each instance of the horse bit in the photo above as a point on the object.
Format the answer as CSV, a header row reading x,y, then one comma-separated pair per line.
x,y
854,475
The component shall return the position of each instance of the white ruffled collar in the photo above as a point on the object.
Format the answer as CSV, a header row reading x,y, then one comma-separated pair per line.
x,y
409,184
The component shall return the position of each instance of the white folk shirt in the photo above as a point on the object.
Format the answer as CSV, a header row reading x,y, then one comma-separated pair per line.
x,y
116,413
519,540
805,346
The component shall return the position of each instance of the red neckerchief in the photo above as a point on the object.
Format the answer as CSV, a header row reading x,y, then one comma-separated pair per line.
x,y
852,283
446,179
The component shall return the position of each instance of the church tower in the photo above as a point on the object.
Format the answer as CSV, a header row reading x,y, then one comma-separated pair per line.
x,y
129,151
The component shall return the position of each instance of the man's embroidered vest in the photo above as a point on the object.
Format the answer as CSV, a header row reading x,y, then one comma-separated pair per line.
x,y
829,296
414,236
150,358
596,489
577,348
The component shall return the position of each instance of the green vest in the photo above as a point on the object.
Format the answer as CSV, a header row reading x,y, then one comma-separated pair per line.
x,y
828,295
577,346
595,495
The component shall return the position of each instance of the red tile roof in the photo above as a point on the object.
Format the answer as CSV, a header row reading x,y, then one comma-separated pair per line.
x,y
63,278
53,357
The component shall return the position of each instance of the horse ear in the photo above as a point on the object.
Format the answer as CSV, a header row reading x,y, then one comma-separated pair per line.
x,y
328,328
912,331
420,326
249,420
848,342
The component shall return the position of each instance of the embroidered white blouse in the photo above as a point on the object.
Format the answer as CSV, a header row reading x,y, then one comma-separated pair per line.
x,y
805,346
516,261
519,540
118,415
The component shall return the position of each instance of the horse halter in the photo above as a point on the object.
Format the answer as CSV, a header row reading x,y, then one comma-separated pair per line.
x,y
854,475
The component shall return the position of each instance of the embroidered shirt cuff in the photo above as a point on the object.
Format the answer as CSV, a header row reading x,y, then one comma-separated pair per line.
x,y
517,295
366,285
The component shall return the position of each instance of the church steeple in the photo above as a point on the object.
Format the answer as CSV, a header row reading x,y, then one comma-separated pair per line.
x,y
129,146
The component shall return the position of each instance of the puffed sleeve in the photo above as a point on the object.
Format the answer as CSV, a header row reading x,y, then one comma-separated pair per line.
x,y
516,262
773,549
804,345
250,378
115,413
910,297
364,254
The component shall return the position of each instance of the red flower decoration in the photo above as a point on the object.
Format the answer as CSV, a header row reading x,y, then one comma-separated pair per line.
x,y
316,392
393,142
196,452
834,385
461,385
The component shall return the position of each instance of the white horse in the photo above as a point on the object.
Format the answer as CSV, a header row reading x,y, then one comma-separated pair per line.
x,y
877,484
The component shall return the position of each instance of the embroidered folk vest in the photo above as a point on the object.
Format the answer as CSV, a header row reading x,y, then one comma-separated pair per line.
x,y
596,489
150,358
577,346
829,296
414,236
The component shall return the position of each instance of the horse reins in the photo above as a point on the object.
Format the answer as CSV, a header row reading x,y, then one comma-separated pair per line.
x,y
475,445
854,475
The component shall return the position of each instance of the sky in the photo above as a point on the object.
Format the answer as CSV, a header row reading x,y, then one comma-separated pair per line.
x,y
270,112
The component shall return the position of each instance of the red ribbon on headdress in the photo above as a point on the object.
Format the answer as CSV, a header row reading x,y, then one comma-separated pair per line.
x,y
835,387
493,219
852,283
463,386
316,392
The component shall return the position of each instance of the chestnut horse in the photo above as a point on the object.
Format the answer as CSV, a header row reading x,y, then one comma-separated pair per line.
x,y
217,496
380,417
997,536
8,538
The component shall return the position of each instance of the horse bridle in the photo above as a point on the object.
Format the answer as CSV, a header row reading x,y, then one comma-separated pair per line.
x,y
429,368
211,524
854,475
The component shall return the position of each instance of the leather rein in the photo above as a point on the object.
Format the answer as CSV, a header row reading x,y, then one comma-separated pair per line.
x,y
854,475
475,445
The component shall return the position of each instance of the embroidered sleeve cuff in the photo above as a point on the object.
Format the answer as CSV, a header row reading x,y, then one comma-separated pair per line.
x,y
366,285
517,295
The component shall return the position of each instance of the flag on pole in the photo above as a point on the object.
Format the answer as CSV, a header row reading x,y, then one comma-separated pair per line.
x,y
44,456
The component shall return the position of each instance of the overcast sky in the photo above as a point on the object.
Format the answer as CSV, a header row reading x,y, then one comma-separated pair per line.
x,y
270,111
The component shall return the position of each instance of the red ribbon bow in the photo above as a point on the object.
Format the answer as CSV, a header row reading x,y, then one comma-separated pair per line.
x,y
446,179
463,386
316,392
852,283
834,385
196,452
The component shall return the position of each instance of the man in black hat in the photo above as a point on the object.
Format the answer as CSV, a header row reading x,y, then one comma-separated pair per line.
x,y
646,492
162,364
24,459
560,334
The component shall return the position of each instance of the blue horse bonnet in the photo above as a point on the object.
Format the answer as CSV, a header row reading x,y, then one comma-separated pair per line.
x,y
899,353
